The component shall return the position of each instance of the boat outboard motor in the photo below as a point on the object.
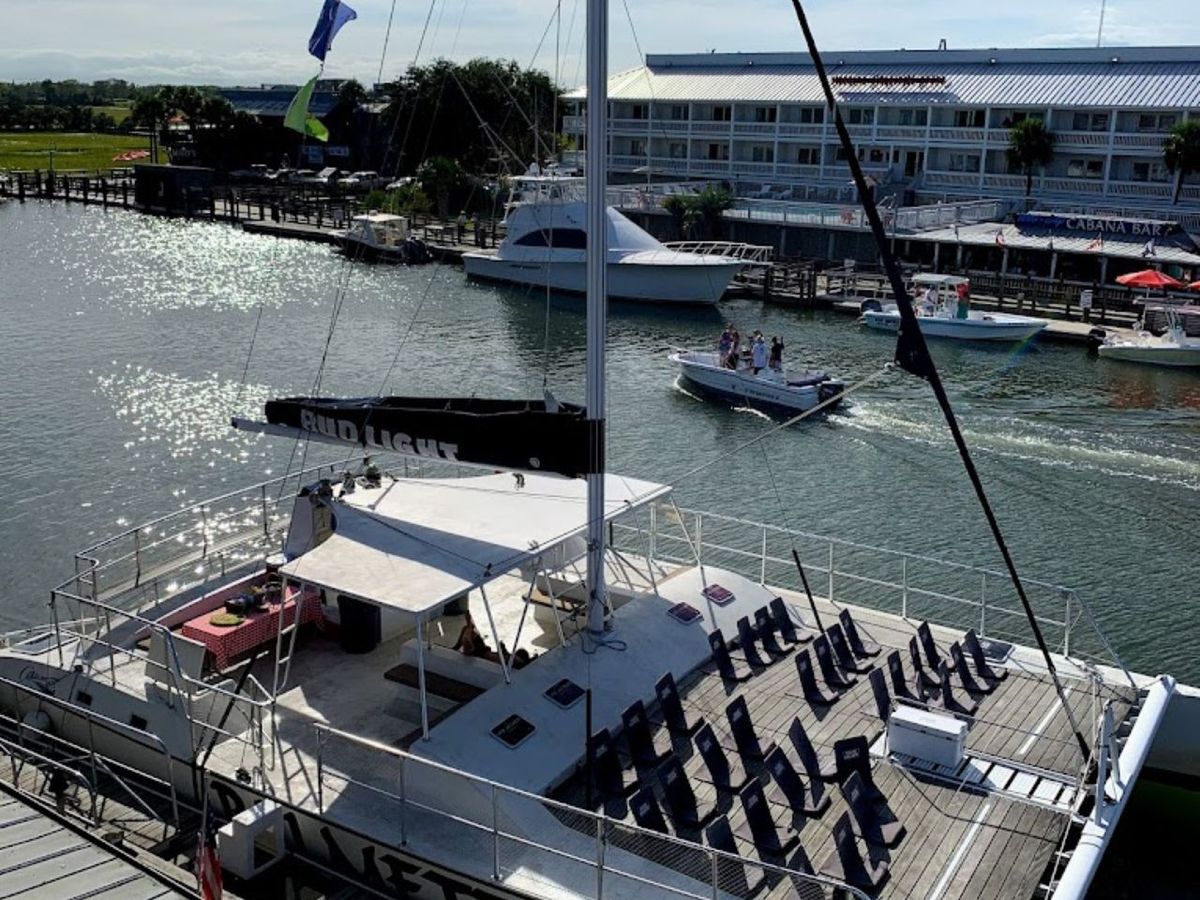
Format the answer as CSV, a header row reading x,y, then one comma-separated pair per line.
x,y
870,305
1095,338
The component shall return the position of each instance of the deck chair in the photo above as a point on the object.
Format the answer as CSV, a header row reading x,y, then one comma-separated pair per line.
x,y
746,643
783,622
948,701
790,790
846,864
879,690
927,680
674,716
965,677
864,817
808,682
973,647
933,656
646,811
900,688
764,627
841,651
744,736
834,677
636,725
681,800
606,766
724,662
852,756
759,827
721,772
731,873
817,766
862,647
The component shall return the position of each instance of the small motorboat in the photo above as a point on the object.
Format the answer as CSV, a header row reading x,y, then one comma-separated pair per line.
x,y
943,310
381,237
1173,348
770,389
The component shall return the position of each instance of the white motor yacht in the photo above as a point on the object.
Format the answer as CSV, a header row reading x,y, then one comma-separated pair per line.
x,y
381,237
942,313
768,389
545,246
1174,348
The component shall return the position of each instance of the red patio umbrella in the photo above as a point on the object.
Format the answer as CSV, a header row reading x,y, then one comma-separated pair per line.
x,y
1149,278
1194,286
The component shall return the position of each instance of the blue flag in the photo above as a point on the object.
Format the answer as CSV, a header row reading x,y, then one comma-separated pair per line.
x,y
334,14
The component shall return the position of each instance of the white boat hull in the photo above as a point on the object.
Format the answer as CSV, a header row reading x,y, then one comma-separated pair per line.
x,y
1174,357
979,327
767,389
705,282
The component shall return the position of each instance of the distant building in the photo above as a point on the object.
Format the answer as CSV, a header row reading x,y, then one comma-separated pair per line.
x,y
929,124
270,101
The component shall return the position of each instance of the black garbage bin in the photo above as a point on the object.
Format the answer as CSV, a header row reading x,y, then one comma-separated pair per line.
x,y
360,627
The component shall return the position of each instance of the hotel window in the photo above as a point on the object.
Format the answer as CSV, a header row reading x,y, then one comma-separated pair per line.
x,y
917,117
677,150
812,115
1152,122
718,151
637,148
808,156
638,111
1020,116
679,112
722,113
1090,168
860,116
1090,122
1149,171
840,154
766,113
761,154
964,162
968,118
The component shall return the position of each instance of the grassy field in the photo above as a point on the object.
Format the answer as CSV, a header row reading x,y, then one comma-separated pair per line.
x,y
118,113
31,149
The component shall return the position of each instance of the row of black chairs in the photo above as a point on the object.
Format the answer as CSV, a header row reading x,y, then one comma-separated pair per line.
x,y
843,654
773,628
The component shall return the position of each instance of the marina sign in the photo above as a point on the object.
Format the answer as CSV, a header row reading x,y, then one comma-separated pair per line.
x,y
1144,228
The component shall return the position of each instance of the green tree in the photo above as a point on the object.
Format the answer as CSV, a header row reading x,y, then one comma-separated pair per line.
x,y
709,206
1181,152
439,178
1030,144
677,208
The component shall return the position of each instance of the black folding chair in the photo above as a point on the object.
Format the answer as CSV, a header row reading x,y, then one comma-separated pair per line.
x,y
746,644
861,646
784,623
883,700
933,656
852,755
606,766
764,627
900,689
808,682
841,651
760,828
818,767
971,642
674,716
731,873
865,818
742,729
965,677
927,680
834,677
721,772
681,798
636,726
724,662
846,864
789,788
646,811
948,701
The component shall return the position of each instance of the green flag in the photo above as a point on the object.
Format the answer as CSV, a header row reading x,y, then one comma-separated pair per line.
x,y
314,128
296,117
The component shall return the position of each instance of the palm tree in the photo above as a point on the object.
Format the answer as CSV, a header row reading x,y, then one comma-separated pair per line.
x,y
1030,144
1181,152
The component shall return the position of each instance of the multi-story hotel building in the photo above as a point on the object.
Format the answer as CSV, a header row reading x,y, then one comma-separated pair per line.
x,y
931,122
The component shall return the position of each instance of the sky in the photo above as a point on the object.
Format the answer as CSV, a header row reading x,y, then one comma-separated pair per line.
x,y
228,42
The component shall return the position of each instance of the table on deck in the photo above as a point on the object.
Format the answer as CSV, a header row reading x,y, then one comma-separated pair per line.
x,y
259,627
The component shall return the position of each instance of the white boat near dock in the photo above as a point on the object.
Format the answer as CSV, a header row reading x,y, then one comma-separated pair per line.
x,y
772,389
1174,349
945,316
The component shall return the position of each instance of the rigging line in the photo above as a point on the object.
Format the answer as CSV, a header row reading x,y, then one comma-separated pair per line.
x,y
912,349
249,351
387,36
649,86
413,112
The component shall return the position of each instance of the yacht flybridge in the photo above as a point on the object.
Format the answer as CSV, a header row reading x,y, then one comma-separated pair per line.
x,y
546,243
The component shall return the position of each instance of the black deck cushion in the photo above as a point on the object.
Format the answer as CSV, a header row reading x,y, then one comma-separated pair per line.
x,y
861,646
646,811
673,713
808,682
681,798
883,700
925,677
834,677
606,765
865,818
841,650
845,863
760,828
731,873
764,627
932,655
789,788
807,754
900,688
742,729
746,643
723,773
965,677
637,734
971,642
724,662
852,755
951,703
783,621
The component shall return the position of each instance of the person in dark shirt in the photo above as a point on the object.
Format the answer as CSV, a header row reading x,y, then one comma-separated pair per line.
x,y
776,360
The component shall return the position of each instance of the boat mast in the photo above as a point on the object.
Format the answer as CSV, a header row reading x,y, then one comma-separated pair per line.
x,y
597,300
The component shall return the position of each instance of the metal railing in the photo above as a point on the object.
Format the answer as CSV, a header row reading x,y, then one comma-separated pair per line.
x,y
590,850
758,253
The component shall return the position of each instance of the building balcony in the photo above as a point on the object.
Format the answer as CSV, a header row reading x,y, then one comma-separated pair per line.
x,y
709,166
901,132
970,136
1141,141
638,126
793,130
574,124
707,127
761,128
792,170
1081,139
950,179
673,126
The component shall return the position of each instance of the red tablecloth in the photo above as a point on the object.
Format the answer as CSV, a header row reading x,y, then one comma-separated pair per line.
x,y
258,628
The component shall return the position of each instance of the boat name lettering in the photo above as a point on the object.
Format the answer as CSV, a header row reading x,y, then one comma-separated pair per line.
x,y
347,430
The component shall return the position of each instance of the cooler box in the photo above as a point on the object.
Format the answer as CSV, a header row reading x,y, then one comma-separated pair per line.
x,y
934,737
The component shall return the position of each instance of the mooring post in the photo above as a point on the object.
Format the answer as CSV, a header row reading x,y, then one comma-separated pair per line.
x,y
21,187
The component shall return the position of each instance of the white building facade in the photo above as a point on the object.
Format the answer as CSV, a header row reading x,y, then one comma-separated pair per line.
x,y
933,122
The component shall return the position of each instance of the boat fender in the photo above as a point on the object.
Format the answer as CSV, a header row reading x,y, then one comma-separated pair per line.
x,y
38,720
870,305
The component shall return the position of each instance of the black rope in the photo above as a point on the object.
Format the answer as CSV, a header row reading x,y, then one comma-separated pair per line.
x,y
912,354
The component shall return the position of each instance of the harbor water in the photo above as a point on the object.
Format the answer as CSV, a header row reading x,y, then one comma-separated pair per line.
x,y
124,339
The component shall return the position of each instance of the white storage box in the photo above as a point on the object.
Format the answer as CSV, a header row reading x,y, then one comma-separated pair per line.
x,y
934,737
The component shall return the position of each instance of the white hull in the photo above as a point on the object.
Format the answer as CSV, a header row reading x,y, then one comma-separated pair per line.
x,y
979,327
673,282
1151,355
768,388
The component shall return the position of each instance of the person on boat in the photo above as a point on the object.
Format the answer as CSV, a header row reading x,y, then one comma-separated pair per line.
x,y
929,301
735,349
724,345
963,310
776,358
758,353
469,642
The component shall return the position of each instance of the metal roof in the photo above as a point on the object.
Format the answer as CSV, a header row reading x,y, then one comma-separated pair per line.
x,y
1175,250
1139,78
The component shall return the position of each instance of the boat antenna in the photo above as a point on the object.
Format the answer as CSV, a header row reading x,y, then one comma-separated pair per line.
x,y
912,355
